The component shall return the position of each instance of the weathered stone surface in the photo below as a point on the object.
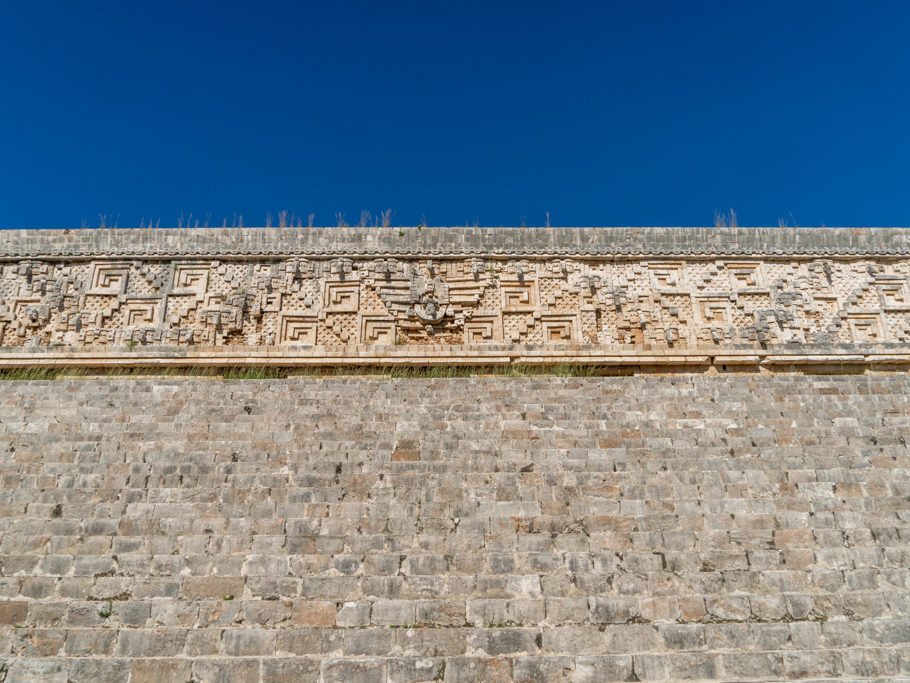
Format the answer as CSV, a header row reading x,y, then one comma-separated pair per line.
x,y
665,296
430,242
745,524
735,527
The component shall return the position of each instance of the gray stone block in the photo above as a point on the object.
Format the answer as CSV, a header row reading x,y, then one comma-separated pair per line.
x,y
353,670
545,577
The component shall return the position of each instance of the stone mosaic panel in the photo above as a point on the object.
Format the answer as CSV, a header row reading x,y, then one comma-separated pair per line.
x,y
656,302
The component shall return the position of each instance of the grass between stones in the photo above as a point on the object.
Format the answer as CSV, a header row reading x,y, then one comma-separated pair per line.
x,y
272,372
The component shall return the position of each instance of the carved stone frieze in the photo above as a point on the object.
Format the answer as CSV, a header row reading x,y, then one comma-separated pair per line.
x,y
360,300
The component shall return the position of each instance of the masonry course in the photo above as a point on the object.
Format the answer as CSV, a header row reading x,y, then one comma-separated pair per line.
x,y
747,527
736,508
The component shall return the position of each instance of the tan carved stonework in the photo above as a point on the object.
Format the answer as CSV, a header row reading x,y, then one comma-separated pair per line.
x,y
655,302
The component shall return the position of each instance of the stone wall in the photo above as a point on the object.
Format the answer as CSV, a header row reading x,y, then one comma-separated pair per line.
x,y
740,522
461,294
739,527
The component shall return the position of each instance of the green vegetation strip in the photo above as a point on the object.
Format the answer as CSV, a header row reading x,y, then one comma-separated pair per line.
x,y
266,372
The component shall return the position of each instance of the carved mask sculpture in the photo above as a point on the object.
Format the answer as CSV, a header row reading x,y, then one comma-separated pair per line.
x,y
429,298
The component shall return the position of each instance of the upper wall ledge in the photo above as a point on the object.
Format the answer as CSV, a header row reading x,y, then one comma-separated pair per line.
x,y
454,242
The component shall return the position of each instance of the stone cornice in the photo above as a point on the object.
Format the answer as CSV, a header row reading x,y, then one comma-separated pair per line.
x,y
454,242
833,357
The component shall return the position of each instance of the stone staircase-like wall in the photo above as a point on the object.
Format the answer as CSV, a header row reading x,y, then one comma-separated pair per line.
x,y
739,527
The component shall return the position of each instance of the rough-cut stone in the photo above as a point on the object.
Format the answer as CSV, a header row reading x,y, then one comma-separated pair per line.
x,y
735,527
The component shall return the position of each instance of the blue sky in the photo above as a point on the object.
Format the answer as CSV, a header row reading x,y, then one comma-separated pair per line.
x,y
635,113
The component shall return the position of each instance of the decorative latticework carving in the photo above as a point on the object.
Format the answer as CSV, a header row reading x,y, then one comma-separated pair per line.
x,y
344,301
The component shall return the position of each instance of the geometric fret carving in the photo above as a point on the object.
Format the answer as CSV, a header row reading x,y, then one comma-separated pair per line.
x,y
865,328
191,278
895,295
483,330
559,329
666,276
297,329
657,303
714,310
518,296
377,330
745,275
141,312
342,297
109,278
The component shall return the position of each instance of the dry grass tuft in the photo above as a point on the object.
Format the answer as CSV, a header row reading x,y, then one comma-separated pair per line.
x,y
722,220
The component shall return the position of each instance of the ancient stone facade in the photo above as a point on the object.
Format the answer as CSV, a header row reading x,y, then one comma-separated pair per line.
x,y
168,291
342,301
746,523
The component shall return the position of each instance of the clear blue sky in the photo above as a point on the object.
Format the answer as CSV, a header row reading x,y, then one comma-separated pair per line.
x,y
634,113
